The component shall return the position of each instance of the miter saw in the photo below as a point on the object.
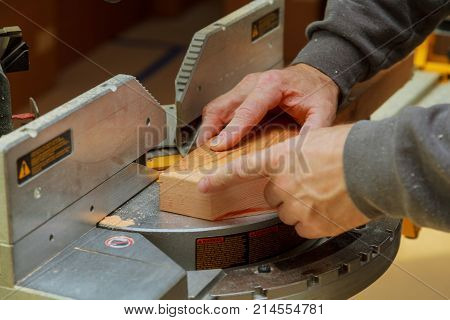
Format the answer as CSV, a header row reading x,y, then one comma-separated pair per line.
x,y
64,172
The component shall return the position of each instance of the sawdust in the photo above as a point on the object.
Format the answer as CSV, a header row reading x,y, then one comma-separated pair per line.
x,y
116,221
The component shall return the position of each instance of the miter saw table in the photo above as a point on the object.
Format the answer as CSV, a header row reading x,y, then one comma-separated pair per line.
x,y
79,213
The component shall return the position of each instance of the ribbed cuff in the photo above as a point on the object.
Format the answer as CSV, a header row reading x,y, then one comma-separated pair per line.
x,y
369,166
335,57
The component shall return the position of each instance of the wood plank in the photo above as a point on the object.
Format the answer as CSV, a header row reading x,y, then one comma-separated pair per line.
x,y
178,185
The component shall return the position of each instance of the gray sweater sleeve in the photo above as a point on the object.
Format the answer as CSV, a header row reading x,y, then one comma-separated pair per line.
x,y
400,166
358,38
397,167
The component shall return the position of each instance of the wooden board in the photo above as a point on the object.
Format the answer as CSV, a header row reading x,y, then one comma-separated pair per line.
x,y
178,185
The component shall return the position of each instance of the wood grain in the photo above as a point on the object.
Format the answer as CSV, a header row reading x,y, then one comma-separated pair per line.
x,y
178,185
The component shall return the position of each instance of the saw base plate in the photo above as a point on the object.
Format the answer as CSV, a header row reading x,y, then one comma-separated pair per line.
x,y
287,266
198,244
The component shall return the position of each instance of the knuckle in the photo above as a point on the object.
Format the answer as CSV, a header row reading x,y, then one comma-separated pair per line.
x,y
249,78
235,100
271,77
221,105
272,199
286,215
270,191
209,109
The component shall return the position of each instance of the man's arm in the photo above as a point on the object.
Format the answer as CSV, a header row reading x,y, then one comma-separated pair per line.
x,y
358,38
397,167
400,166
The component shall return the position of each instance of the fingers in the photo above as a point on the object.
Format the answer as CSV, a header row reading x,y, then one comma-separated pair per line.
x,y
293,213
317,117
215,116
308,232
219,111
254,166
265,96
210,126
288,214
223,179
275,196
320,117
308,96
316,121
307,224
289,209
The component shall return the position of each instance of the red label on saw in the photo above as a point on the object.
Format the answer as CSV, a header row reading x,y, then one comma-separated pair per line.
x,y
244,248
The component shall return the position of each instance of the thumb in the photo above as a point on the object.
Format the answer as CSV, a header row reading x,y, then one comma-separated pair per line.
x,y
245,168
319,118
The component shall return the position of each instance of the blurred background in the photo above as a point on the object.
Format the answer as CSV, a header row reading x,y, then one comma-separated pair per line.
x,y
75,45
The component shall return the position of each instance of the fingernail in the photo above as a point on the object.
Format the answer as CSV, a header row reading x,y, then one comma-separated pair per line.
x,y
214,141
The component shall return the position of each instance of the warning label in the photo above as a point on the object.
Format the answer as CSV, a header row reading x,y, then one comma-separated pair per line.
x,y
244,248
44,156
265,24
24,170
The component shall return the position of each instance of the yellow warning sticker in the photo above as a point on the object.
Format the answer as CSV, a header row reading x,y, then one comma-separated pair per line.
x,y
24,170
265,24
255,32
44,156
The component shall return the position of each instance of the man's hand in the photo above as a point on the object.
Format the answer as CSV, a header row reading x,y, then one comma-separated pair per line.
x,y
306,182
305,93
